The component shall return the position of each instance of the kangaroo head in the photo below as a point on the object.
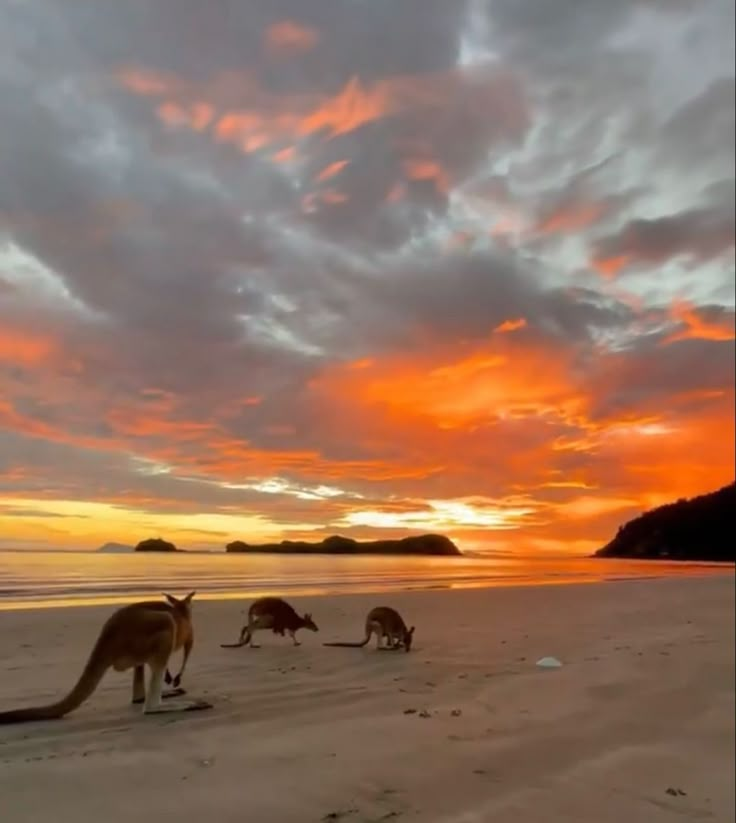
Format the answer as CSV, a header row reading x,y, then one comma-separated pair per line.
x,y
408,637
182,605
309,623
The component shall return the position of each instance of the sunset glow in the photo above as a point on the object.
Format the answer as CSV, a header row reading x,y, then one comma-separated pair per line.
x,y
270,275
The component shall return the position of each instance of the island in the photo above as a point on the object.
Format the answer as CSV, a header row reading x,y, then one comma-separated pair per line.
x,y
155,544
423,544
114,548
700,528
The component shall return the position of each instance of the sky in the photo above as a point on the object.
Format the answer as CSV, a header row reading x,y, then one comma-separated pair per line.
x,y
288,268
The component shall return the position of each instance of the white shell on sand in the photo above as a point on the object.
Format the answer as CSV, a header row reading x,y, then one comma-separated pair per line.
x,y
549,663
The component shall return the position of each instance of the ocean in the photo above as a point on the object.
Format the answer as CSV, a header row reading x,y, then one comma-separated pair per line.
x,y
55,578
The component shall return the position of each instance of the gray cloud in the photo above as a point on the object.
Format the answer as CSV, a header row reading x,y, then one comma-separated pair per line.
x,y
702,234
477,185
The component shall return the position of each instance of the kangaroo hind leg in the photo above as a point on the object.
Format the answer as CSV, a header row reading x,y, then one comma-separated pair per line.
x,y
163,647
259,623
139,685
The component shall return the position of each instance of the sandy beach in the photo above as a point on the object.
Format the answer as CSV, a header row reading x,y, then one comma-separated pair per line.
x,y
637,725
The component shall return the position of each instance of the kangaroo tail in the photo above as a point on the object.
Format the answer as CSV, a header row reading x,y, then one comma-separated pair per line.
x,y
87,683
245,635
347,645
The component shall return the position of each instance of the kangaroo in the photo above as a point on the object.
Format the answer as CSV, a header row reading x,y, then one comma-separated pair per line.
x,y
272,613
136,635
383,621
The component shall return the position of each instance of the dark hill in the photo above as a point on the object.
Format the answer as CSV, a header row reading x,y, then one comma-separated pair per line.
x,y
697,529
155,544
425,544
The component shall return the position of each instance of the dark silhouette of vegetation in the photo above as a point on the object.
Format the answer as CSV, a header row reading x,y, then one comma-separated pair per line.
x,y
425,544
697,529
155,544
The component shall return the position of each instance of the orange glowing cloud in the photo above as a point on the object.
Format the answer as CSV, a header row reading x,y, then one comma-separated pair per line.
x,y
23,348
695,327
396,193
145,82
11,419
507,224
571,219
331,171
149,421
423,169
284,155
441,401
334,197
248,130
265,118
226,458
196,116
449,514
661,468
329,197
354,106
462,387
609,267
290,37
510,326
588,506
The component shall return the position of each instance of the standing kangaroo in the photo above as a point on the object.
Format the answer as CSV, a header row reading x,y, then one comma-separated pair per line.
x,y
141,634
272,613
384,622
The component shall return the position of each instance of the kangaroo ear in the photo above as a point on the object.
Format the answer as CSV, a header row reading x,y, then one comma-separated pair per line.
x,y
307,616
411,630
188,598
170,597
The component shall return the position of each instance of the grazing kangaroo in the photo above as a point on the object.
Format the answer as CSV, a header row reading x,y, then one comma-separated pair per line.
x,y
383,621
272,613
141,634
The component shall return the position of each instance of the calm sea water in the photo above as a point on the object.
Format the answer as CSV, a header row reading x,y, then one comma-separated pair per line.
x,y
43,579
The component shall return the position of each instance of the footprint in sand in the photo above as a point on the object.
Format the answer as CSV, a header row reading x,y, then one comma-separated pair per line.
x,y
331,816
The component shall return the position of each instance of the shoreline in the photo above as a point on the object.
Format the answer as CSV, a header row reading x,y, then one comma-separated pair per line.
x,y
708,571
465,726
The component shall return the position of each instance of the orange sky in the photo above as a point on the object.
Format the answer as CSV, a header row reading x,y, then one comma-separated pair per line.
x,y
256,283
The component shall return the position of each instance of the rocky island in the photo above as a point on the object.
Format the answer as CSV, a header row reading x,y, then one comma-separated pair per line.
x,y
155,544
115,548
697,529
424,544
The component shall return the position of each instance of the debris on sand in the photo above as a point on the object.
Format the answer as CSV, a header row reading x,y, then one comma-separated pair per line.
x,y
549,663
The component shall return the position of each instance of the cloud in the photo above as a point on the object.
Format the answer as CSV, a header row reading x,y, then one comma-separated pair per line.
x,y
705,323
304,267
289,37
700,235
